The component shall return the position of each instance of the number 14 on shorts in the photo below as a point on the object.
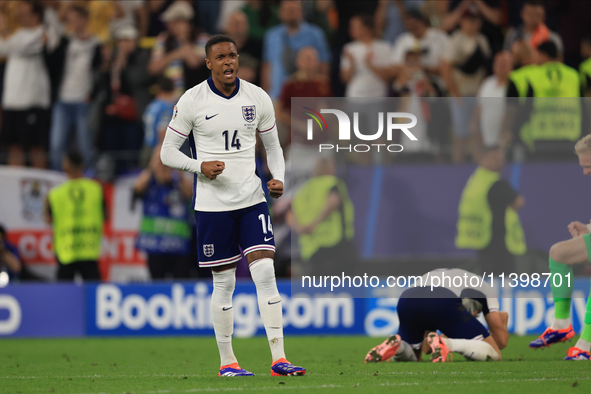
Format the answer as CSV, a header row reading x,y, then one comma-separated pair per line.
x,y
267,226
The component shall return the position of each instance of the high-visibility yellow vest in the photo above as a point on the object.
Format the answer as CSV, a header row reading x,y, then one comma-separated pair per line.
x,y
519,79
307,206
584,74
557,112
475,216
77,213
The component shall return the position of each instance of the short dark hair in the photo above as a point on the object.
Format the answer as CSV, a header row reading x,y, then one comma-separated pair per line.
x,y
37,9
586,40
83,12
75,159
2,231
535,3
165,85
366,19
413,13
217,39
549,49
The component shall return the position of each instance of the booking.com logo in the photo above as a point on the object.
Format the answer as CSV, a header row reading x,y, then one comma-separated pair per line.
x,y
391,119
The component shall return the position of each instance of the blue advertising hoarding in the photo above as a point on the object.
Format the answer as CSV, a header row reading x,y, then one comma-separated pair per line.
x,y
67,310
41,310
183,309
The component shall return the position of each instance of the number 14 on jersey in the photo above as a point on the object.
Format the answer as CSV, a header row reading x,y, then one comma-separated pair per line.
x,y
235,141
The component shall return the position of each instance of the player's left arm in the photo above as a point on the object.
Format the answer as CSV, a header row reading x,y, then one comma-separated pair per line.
x,y
267,130
497,325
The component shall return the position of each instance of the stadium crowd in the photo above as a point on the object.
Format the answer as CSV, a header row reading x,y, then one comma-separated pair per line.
x,y
102,76
112,70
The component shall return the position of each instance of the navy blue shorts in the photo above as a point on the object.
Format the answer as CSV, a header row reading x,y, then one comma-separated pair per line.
x,y
442,311
220,235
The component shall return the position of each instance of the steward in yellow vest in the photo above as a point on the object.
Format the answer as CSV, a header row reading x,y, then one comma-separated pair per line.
x,y
555,112
76,210
585,66
322,215
488,221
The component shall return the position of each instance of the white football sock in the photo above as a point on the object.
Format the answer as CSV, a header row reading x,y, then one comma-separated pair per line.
x,y
472,349
583,345
559,324
222,313
263,276
405,352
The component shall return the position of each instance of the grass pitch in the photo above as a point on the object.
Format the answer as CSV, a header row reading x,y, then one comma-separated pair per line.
x,y
334,364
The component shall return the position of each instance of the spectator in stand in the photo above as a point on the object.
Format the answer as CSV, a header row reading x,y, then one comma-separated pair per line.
x,y
431,43
464,69
130,13
125,84
491,102
157,117
490,12
261,15
436,11
282,44
179,53
249,48
360,56
76,62
389,17
533,30
307,81
10,9
155,9
26,95
414,84
165,232
227,8
100,15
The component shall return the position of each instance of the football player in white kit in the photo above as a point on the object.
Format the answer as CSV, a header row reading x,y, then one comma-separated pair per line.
x,y
221,117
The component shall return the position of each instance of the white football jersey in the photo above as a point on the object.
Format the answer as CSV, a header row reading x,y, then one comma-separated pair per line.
x,y
224,128
477,287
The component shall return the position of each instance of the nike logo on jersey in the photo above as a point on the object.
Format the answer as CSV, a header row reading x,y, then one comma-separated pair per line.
x,y
268,239
209,117
273,303
227,309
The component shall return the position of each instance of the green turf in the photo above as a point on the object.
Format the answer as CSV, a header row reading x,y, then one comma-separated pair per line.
x,y
335,364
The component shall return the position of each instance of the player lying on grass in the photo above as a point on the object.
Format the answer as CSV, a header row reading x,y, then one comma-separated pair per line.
x,y
451,310
222,117
562,256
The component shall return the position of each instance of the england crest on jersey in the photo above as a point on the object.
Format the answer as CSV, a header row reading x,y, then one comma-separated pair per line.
x,y
249,113
208,250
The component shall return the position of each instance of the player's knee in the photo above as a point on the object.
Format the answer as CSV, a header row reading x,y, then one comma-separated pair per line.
x,y
263,272
224,280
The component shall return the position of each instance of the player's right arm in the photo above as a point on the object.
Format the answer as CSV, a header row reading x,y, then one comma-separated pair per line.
x,y
497,325
179,128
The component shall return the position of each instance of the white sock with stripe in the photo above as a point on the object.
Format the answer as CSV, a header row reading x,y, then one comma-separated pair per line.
x,y
222,313
263,276
472,349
